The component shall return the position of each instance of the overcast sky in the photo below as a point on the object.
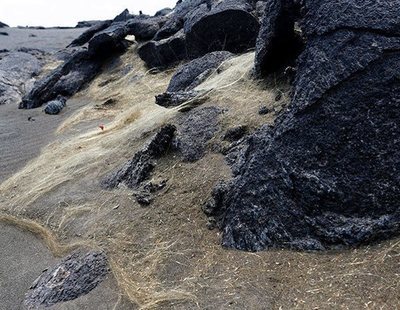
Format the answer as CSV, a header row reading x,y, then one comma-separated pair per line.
x,y
69,12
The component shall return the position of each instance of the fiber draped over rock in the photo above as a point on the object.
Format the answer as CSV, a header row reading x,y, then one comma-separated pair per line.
x,y
328,174
76,275
195,72
137,170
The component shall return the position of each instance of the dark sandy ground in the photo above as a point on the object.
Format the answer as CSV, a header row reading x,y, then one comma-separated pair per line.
x,y
23,133
48,40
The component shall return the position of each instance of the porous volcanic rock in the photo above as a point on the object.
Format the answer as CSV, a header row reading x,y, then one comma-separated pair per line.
x,y
145,28
54,107
228,26
66,80
194,129
277,44
109,41
164,53
327,175
76,275
17,73
174,99
88,34
196,71
139,168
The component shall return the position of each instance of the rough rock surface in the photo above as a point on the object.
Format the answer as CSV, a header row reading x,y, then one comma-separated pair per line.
x,y
164,53
229,26
328,174
144,28
88,34
17,72
174,99
109,41
54,107
277,44
196,71
139,168
66,80
194,130
3,25
76,275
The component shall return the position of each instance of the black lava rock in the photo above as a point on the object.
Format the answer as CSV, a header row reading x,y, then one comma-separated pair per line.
x,y
196,71
195,129
3,25
75,276
66,80
165,53
327,175
88,34
139,168
54,107
236,133
277,44
174,99
228,26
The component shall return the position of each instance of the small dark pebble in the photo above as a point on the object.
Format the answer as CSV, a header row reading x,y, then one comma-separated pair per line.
x,y
264,110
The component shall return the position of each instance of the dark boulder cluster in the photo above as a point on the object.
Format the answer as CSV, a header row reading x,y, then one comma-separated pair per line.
x,y
75,276
327,175
197,27
188,77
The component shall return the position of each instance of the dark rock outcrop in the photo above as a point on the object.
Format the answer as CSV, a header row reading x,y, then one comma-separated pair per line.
x,y
194,130
76,275
144,28
328,174
228,26
54,107
195,72
3,33
163,12
17,73
66,80
88,34
165,53
139,168
278,45
2,25
123,16
109,41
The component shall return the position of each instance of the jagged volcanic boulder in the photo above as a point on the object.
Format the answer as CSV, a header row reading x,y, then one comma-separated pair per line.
x,y
145,28
109,41
54,107
229,26
196,71
277,43
66,80
88,34
164,53
123,16
2,25
194,130
327,174
139,168
75,276
17,73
